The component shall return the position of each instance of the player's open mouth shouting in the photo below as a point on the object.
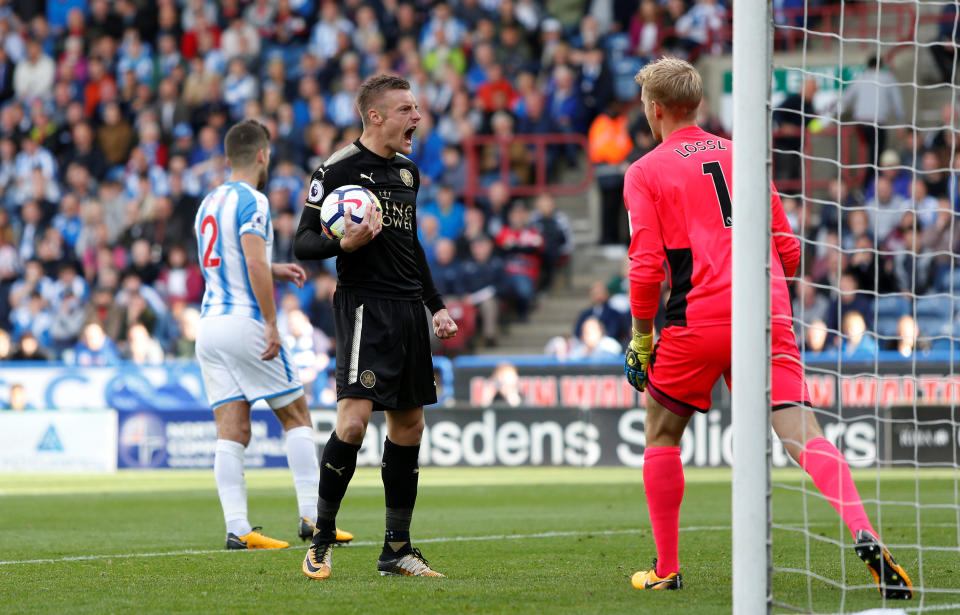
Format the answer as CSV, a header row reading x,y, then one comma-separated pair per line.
x,y
408,136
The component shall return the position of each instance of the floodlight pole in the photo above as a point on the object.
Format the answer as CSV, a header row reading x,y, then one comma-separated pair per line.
x,y
751,307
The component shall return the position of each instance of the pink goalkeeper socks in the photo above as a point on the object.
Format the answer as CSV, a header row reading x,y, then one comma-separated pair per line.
x,y
663,484
831,474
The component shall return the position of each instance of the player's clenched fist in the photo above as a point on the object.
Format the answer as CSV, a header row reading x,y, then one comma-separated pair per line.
x,y
444,327
637,359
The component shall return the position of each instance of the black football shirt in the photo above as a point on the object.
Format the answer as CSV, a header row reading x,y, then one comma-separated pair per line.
x,y
393,265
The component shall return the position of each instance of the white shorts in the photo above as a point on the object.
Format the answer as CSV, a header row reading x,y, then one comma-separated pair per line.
x,y
229,348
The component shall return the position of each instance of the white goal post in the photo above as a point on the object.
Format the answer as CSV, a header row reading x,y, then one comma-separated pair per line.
x,y
900,400
751,311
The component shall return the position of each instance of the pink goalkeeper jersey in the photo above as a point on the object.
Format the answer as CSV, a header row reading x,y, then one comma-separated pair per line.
x,y
678,201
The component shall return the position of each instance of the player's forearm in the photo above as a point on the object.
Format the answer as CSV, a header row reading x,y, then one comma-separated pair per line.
x,y
644,299
643,325
261,282
310,244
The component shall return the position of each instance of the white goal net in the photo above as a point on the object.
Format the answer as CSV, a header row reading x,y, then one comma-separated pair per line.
x,y
866,157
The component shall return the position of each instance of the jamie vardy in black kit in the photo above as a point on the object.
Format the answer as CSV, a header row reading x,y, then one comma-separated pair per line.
x,y
383,345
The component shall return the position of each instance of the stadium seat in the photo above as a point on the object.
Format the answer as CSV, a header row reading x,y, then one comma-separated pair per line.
x,y
942,343
887,324
947,281
937,305
893,306
933,324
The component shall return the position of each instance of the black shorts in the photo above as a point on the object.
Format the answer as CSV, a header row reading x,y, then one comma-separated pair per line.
x,y
383,351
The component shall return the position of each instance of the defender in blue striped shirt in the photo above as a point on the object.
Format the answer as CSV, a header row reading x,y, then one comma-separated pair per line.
x,y
238,346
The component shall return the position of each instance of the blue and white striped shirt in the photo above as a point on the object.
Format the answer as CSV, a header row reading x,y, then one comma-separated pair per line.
x,y
227,213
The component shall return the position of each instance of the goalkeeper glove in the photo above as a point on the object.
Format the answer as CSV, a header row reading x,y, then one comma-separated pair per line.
x,y
638,359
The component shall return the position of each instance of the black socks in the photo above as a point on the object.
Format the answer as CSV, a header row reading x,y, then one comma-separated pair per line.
x,y
337,465
400,472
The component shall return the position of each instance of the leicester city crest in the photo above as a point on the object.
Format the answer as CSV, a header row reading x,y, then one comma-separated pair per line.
x,y
407,177
368,379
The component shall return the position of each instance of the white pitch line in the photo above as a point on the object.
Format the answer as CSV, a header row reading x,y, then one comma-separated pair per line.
x,y
900,610
81,558
371,543
935,607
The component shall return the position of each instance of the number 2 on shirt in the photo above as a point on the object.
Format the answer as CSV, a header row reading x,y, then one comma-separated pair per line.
x,y
210,261
723,194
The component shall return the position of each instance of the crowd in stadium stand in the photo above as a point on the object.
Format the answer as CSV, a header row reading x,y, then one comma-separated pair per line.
x,y
886,236
111,129
112,116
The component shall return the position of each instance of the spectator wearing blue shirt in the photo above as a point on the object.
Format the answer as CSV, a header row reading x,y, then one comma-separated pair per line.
x,y
18,399
613,321
565,108
857,344
95,349
446,270
238,88
68,283
287,175
900,179
442,19
134,57
563,101
325,41
427,150
448,212
68,221
141,178
32,157
429,233
454,168
485,279
814,344
33,316
168,55
849,299
208,146
531,115
476,75
342,108
34,280
57,11
307,88
593,343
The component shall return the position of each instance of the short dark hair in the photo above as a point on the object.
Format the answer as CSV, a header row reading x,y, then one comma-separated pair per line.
x,y
244,140
373,88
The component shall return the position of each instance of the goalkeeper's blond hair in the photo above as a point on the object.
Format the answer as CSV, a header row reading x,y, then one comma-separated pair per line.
x,y
674,83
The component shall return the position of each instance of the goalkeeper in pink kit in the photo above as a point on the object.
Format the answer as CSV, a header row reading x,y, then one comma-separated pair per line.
x,y
678,202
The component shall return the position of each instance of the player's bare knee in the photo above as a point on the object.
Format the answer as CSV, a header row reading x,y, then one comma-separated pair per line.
x,y
405,427
406,434
795,426
233,421
234,433
351,429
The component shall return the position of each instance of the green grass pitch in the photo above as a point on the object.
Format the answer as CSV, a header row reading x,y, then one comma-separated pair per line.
x,y
524,540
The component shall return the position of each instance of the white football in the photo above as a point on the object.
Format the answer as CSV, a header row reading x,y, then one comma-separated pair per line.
x,y
350,198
